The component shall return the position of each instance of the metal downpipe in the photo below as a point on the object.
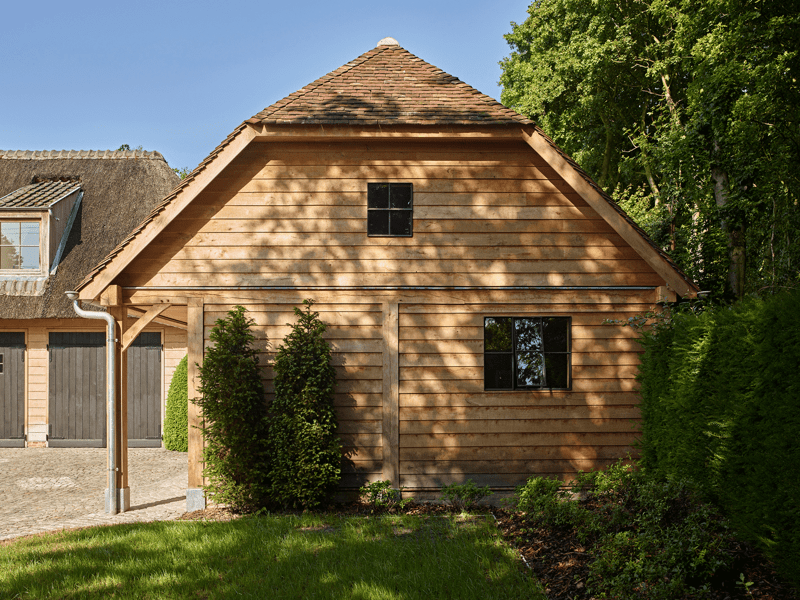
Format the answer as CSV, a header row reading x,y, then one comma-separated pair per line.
x,y
112,501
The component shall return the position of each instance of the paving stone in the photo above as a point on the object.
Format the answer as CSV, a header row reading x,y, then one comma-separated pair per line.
x,y
47,489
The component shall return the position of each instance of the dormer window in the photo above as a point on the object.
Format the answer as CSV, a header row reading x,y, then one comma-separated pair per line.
x,y
20,245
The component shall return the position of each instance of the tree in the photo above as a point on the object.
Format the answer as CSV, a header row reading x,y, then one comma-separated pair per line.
x,y
687,113
304,448
234,412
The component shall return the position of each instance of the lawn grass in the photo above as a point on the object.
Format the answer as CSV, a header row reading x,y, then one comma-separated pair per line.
x,y
308,556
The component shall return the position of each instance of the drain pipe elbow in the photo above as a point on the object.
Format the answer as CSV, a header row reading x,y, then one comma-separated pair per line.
x,y
112,503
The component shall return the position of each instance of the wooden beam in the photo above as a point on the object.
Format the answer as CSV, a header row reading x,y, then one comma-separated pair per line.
x,y
270,131
195,352
141,323
390,432
111,296
159,320
664,294
165,217
594,199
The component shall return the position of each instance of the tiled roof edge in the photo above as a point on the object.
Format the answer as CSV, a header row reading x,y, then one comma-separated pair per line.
x,y
78,154
162,205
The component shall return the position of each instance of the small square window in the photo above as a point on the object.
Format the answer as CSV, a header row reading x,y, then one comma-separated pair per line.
x,y
390,209
526,353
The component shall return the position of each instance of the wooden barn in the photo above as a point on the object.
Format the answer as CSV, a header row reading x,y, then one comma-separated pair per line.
x,y
465,266
61,212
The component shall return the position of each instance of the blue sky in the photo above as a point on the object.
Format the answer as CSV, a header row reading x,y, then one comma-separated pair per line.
x,y
178,77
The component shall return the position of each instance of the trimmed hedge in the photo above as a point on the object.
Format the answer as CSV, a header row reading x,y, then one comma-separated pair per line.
x,y
721,406
176,418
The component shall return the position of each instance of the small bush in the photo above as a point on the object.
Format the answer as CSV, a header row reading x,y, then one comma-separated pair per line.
x,y
381,494
176,418
234,416
549,503
464,496
305,450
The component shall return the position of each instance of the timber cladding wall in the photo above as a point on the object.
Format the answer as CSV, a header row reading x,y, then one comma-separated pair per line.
x,y
449,428
293,214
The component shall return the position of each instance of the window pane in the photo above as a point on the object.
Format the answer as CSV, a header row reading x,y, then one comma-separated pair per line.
x,y
529,369
10,233
377,195
30,234
528,335
498,372
555,334
400,222
378,222
497,334
30,257
400,195
9,258
556,370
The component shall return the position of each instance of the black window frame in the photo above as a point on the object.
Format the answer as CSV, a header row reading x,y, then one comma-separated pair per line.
x,y
373,211
515,351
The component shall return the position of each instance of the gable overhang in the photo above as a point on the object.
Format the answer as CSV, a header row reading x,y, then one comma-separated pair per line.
x,y
253,130
579,182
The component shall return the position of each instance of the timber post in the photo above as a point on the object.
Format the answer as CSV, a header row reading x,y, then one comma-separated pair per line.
x,y
195,494
390,434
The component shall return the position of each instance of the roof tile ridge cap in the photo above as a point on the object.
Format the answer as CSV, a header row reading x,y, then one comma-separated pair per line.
x,y
168,199
320,81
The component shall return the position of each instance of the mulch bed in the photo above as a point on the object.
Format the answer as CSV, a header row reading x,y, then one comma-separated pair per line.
x,y
559,561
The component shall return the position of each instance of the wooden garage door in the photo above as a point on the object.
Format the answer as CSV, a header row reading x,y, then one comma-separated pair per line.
x,y
77,391
12,389
144,391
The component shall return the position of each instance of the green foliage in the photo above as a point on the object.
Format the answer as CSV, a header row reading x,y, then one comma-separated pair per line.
x,y
686,113
648,537
183,172
304,447
464,496
176,418
720,406
381,494
235,422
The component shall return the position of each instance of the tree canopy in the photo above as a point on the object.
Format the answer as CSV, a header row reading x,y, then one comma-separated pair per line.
x,y
687,113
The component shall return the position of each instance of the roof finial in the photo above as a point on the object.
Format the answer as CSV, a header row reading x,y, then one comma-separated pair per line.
x,y
388,41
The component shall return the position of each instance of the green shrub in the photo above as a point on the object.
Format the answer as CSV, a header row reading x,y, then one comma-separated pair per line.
x,y
381,494
176,418
234,414
549,503
304,448
719,406
464,496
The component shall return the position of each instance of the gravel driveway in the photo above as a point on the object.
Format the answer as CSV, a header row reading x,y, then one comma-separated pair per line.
x,y
46,489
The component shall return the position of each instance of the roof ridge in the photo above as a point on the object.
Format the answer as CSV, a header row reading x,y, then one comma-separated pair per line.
x,y
310,87
79,154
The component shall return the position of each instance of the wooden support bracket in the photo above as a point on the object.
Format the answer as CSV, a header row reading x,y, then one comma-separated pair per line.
x,y
141,323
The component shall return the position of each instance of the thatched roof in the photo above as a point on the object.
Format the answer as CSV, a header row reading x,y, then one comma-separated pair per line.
x,y
120,189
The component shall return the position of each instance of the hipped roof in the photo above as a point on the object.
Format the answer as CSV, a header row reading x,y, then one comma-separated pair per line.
x,y
387,86
120,189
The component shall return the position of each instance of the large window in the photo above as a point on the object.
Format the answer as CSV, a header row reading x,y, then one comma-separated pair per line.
x,y
389,209
19,245
526,353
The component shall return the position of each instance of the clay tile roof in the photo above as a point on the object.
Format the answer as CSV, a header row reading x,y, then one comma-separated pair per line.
x,y
388,86
39,195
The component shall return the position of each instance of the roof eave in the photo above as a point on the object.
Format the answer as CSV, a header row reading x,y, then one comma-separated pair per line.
x,y
331,131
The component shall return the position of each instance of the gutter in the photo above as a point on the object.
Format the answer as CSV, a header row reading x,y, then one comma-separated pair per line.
x,y
112,495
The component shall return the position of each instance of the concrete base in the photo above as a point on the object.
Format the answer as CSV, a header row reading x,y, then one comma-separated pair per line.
x,y
124,495
195,499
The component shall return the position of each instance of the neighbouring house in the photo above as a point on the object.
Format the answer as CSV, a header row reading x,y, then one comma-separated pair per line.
x,y
61,212
465,266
